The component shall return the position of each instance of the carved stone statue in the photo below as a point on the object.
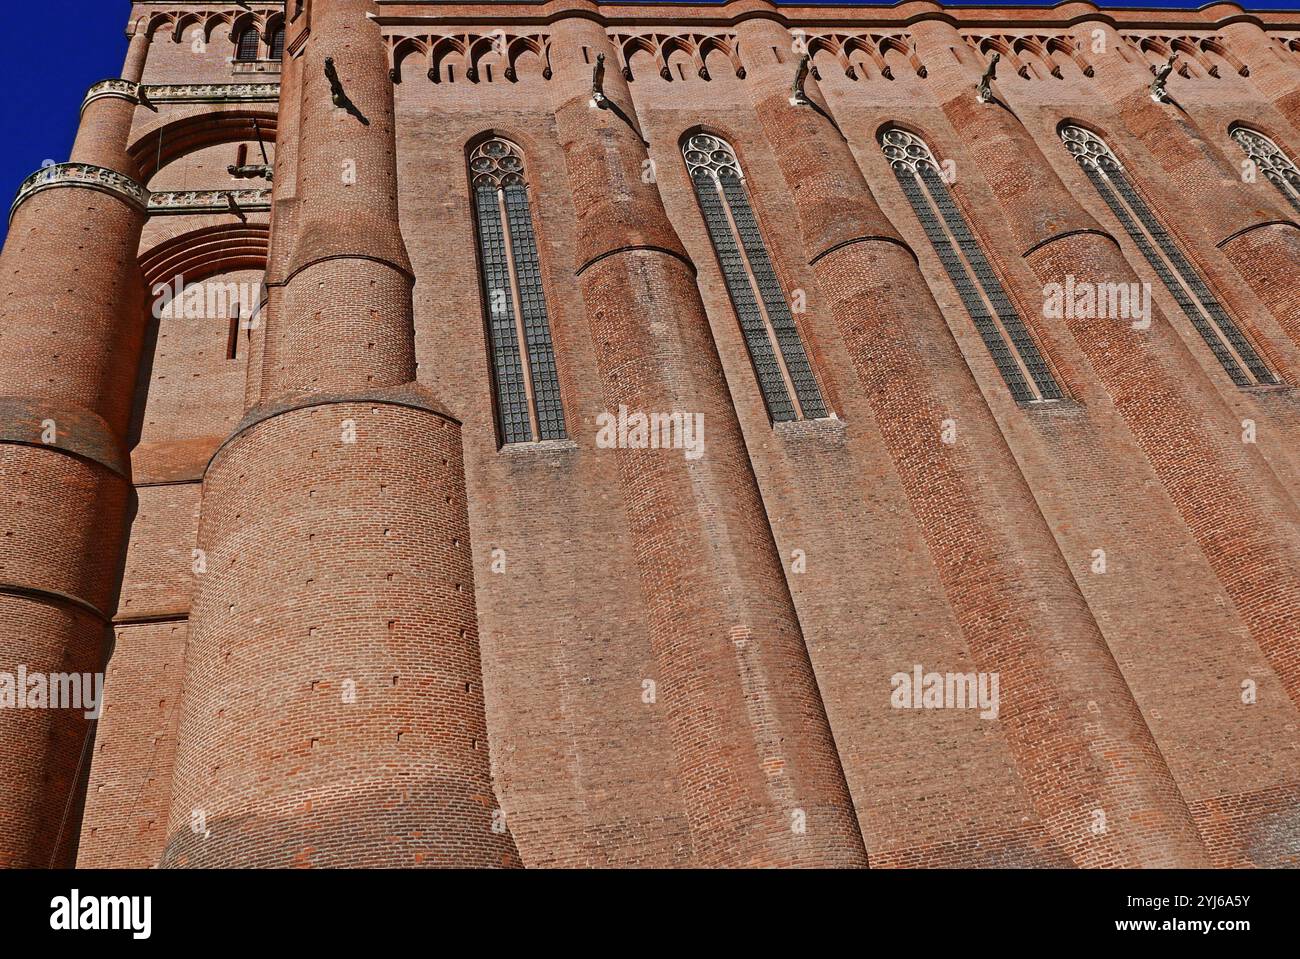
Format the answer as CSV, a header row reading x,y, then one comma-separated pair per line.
x,y
1158,91
985,94
797,97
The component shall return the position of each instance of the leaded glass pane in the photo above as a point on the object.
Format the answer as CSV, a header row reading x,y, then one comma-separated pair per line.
x,y
247,45
532,305
496,170
774,301
713,167
752,328
512,397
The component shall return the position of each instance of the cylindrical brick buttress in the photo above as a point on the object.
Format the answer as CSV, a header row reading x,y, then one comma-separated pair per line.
x,y
1224,489
283,215
73,316
1252,227
1078,738
761,779
1276,79
333,702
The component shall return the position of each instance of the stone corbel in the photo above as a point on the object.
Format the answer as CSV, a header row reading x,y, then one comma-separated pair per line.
x,y
250,171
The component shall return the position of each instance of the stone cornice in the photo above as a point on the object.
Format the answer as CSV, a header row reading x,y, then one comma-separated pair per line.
x,y
163,203
211,92
208,201
433,13
84,175
123,89
156,93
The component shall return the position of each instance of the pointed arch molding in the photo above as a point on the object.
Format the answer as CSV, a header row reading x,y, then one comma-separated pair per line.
x,y
173,140
177,25
202,253
694,46
1045,52
470,53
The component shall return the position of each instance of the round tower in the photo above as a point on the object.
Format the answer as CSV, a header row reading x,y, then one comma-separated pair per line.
x,y
1225,491
333,701
1042,639
73,320
761,779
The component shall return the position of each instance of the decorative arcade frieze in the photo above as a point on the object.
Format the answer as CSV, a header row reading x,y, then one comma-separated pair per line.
x,y
471,56
151,94
209,201
1033,56
1193,57
212,93
81,175
163,203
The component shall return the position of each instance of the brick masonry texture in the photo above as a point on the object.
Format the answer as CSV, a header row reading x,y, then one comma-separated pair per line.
x,y
342,624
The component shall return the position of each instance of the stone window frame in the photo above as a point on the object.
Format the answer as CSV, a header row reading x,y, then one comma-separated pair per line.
x,y
1269,159
1240,359
1015,351
777,352
527,396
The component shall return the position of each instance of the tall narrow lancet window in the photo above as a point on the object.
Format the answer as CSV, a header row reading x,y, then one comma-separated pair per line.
x,y
785,376
246,45
1271,162
527,393
277,44
996,318
1184,282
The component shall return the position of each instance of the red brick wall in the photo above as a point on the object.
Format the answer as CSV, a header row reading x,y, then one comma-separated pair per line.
x,y
850,546
127,798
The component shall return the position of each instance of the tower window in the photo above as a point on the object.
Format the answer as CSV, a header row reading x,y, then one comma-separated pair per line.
x,y
246,45
776,350
1270,160
277,44
996,318
232,336
1184,282
527,393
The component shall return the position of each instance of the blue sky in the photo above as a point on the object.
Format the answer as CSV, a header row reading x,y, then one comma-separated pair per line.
x,y
45,82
